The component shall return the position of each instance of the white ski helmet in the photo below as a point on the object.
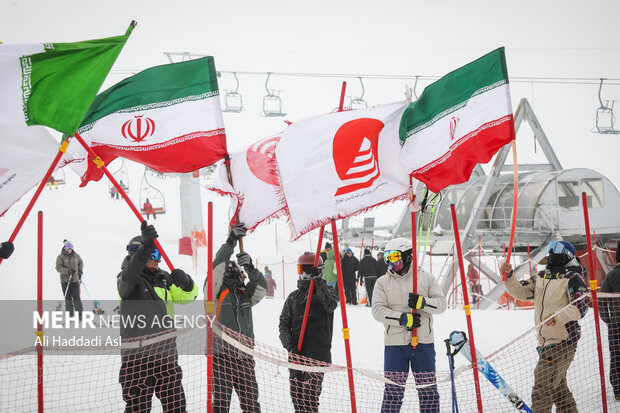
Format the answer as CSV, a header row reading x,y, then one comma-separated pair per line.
x,y
399,244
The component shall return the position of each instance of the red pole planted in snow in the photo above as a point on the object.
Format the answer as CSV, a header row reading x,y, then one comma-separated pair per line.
x,y
210,307
39,332
100,164
467,308
343,310
594,291
304,323
61,150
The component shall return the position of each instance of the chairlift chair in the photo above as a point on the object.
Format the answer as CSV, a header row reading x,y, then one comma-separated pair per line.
x,y
59,176
233,102
272,103
358,102
154,195
122,177
605,117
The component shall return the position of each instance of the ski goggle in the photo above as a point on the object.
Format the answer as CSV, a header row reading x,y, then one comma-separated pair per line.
x,y
156,255
559,248
392,256
68,246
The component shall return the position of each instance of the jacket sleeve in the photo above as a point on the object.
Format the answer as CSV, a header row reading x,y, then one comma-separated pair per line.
x,y
60,267
180,296
326,295
130,275
576,289
223,254
257,287
80,265
523,291
380,309
285,326
435,296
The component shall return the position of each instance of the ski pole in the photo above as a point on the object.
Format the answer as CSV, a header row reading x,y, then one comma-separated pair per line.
x,y
455,406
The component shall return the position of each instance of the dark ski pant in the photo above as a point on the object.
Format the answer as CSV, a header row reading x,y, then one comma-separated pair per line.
x,y
305,390
72,298
234,373
550,380
350,292
613,334
141,376
369,282
397,362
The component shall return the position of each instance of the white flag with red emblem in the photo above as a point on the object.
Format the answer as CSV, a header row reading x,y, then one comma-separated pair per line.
x,y
338,164
255,197
166,117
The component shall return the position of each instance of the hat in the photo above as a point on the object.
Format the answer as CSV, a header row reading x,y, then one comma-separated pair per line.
x,y
367,251
328,245
348,250
67,245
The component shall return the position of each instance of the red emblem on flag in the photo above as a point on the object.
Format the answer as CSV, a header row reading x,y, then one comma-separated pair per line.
x,y
356,154
453,123
259,156
138,129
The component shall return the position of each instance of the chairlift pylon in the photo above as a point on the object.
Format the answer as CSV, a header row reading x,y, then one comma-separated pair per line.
x,y
155,196
605,117
272,103
233,102
358,102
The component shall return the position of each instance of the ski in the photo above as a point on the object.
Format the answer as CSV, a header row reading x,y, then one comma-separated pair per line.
x,y
458,338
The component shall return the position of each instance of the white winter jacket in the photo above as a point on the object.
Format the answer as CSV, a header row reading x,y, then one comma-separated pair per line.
x,y
389,299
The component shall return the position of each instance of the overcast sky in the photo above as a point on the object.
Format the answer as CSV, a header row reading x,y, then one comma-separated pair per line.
x,y
543,39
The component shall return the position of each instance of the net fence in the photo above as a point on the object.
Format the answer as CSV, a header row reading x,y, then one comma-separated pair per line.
x,y
168,372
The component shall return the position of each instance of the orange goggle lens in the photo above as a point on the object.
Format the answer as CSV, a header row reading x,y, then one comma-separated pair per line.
x,y
299,270
392,256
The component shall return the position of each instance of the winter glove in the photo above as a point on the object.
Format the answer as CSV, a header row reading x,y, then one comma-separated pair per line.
x,y
316,273
70,272
236,232
416,301
244,259
410,320
148,236
80,274
181,279
6,249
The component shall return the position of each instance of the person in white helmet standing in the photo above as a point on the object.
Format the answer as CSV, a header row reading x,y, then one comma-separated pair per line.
x,y
392,302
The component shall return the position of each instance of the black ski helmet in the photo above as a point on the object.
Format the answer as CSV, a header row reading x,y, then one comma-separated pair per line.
x,y
134,244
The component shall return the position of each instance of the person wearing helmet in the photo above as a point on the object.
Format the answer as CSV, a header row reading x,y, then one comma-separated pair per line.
x,y
233,369
70,266
305,386
392,302
554,291
148,295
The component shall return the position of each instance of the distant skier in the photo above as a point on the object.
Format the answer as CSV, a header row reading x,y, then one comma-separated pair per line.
x,y
368,273
271,283
473,279
382,266
553,290
610,313
305,386
350,265
70,266
391,305
329,269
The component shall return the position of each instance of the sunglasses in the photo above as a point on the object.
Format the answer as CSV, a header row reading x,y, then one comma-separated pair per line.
x,y
156,255
392,256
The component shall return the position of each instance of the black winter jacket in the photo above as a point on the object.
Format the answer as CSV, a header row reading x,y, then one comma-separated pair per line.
x,y
318,336
610,306
368,267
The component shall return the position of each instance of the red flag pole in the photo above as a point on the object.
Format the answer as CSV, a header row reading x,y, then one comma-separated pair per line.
x,y
39,332
467,308
230,181
304,323
101,165
515,198
318,249
343,310
61,150
210,307
414,256
594,290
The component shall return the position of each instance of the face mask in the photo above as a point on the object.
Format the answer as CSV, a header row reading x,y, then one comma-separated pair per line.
x,y
557,260
397,266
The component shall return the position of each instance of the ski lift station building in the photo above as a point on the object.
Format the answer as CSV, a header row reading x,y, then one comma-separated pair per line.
x,y
549,207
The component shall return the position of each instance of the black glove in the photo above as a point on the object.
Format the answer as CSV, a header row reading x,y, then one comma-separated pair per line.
x,y
244,259
410,320
236,232
6,249
148,236
416,301
80,274
70,272
316,273
181,279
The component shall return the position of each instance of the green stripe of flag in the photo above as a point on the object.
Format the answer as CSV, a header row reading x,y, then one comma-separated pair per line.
x,y
453,91
156,87
59,84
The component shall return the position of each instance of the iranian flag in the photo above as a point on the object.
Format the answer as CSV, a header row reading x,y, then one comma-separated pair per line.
x,y
54,84
460,120
339,164
255,193
166,117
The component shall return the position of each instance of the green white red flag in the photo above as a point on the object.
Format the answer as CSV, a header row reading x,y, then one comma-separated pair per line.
x,y
166,117
459,121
